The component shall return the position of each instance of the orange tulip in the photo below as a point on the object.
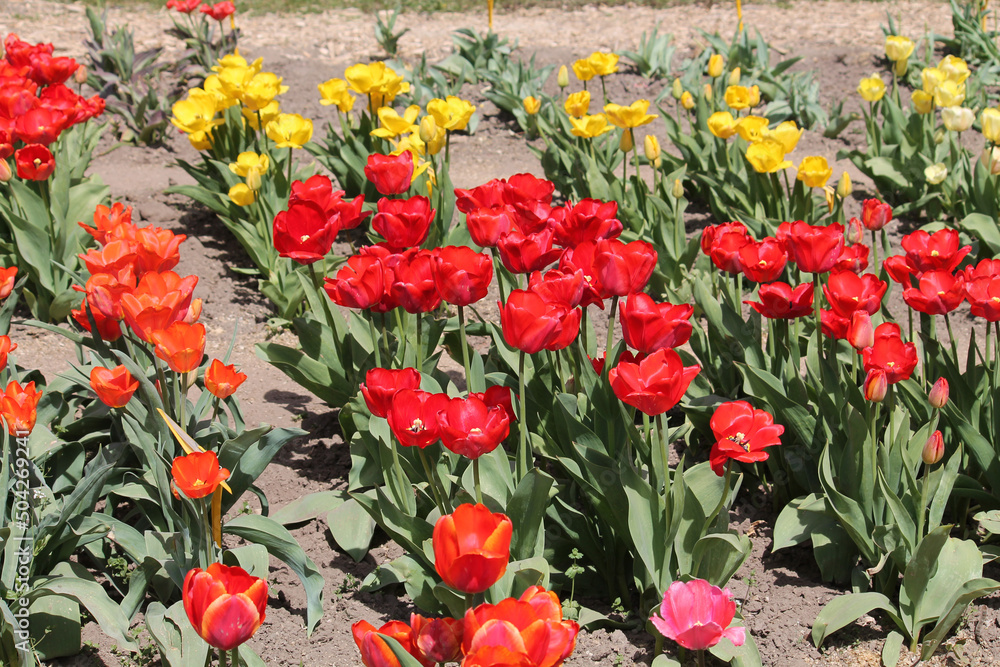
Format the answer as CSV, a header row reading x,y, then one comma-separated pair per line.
x,y
156,249
375,652
472,547
198,474
6,347
158,301
224,604
114,386
111,258
17,407
105,290
108,220
222,380
181,345
7,277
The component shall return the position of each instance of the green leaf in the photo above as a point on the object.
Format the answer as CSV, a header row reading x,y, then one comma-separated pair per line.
x,y
92,596
717,557
797,520
527,508
891,649
984,228
844,610
253,558
352,528
177,640
402,655
58,620
308,507
955,607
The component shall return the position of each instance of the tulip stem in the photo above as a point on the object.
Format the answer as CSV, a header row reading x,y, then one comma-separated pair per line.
x,y
469,384
608,361
419,344
206,515
923,503
951,338
289,169
236,656
223,661
522,451
661,426
402,336
725,496
891,410
817,300
376,342
433,481
475,476
323,297
875,252
701,658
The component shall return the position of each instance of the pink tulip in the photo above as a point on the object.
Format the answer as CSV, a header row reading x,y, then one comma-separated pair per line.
x,y
696,615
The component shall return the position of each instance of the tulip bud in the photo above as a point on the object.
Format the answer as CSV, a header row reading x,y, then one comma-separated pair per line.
x,y
651,147
855,231
80,75
5,173
990,158
936,173
938,396
708,92
734,77
939,136
933,449
860,333
715,65
687,100
625,144
253,179
428,129
900,66
876,386
754,96
563,78
831,200
991,124
845,187
531,105
677,89
678,190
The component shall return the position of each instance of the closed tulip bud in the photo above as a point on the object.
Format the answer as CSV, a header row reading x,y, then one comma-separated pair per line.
x,y
677,89
707,90
80,75
845,187
898,48
734,77
428,128
253,179
861,333
651,147
532,105
687,100
754,96
900,66
625,144
939,136
5,172
678,190
563,77
933,449
991,124
831,200
938,396
715,65
855,231
876,386
936,173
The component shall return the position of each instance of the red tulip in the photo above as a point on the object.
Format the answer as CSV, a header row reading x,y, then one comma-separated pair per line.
x,y
938,395
833,325
622,268
225,604
156,249
648,326
381,385
696,615
524,253
34,162
462,275
712,232
470,428
404,223
18,407
198,474
875,214
531,199
183,6
933,450
413,417
108,328
581,258
984,297
413,285
860,333
6,347
847,292
359,284
741,434
221,380
498,395
471,547
899,269
558,286
391,174
530,323
589,220
488,224
113,386
305,232
482,196
437,640
181,345
876,386
762,262
779,301
855,232
938,293
853,258
890,354
655,384
987,268
375,652
41,125
939,251
725,250
112,258
7,277
108,220
219,11
814,248
319,190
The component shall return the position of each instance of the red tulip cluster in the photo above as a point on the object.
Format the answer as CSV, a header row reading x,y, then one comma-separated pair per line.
x,y
316,213
36,105
470,426
219,11
929,278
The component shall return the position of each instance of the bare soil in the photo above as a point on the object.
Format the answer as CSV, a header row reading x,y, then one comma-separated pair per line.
x,y
780,593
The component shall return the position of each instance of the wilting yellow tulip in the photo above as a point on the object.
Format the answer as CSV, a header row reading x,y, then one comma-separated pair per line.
x,y
991,124
290,130
923,102
949,94
898,48
589,127
531,105
603,64
754,96
583,70
241,195
734,77
452,113
954,68
814,171
831,200
335,92
787,133
391,124
633,115
752,128
716,65
261,89
738,97
936,173
767,157
687,100
578,104
721,124
845,187
651,149
563,77
626,143
957,119
871,88
990,158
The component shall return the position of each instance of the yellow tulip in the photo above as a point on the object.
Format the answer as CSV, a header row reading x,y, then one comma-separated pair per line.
x,y
589,127
898,48
871,88
990,158
936,173
411,142
923,102
676,88
584,70
249,161
241,195
721,124
786,133
707,92
991,124
452,113
633,115
814,171
201,141
261,89
387,89
651,149
931,78
603,64
267,114
214,86
752,129
432,135
290,130
196,113
687,100
362,78
738,97
845,187
957,119
531,105
734,77
949,94
626,143
391,124
578,104
767,156
335,92
716,65
955,69
563,77
754,96
900,66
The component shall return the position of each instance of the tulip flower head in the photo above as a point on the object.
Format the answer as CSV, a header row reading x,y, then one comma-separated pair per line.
x,y
933,450
741,434
696,615
472,547
18,407
938,395
198,474
528,631
113,386
221,380
653,385
225,604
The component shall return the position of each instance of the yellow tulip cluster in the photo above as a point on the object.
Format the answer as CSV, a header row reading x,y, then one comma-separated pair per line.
x,y
768,146
249,166
596,64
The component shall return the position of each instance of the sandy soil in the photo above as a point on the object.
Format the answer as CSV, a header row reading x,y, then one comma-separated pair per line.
x,y
780,593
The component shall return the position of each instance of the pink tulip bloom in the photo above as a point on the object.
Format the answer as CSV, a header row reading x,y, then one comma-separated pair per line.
x,y
696,615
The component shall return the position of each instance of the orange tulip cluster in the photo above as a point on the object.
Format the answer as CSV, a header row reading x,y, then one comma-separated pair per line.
x,y
17,404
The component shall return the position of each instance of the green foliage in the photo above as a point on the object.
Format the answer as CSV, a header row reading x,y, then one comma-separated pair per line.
x,y
386,34
655,56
